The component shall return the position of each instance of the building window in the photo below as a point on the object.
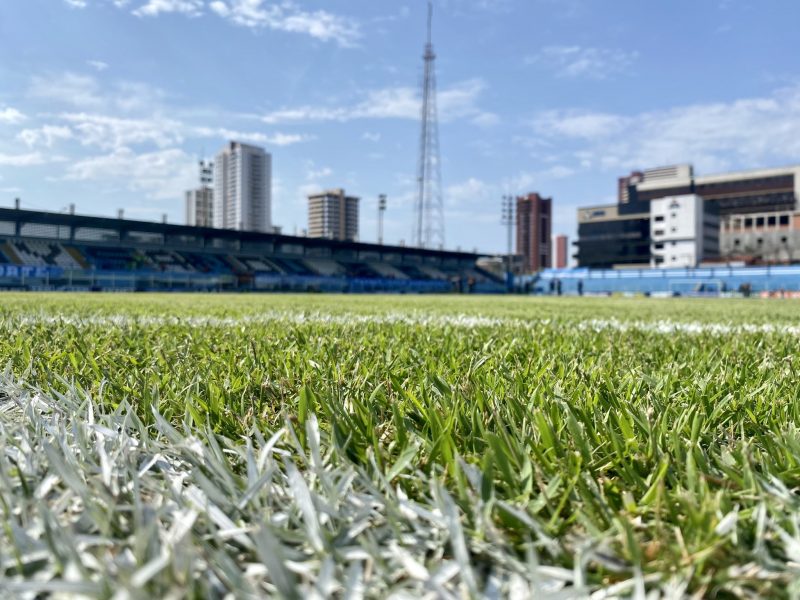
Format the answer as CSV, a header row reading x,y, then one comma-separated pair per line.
x,y
784,220
748,223
760,241
659,218
736,242
659,246
760,222
658,232
783,240
771,221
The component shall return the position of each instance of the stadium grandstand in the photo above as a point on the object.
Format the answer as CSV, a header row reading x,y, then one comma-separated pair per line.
x,y
58,251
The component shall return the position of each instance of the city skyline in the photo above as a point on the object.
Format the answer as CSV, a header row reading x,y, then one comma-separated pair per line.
x,y
116,109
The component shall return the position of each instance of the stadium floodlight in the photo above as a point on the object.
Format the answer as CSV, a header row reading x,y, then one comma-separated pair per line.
x,y
507,219
381,210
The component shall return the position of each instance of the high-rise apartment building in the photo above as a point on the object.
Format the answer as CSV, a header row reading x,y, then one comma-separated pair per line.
x,y
562,256
243,188
534,222
200,201
333,215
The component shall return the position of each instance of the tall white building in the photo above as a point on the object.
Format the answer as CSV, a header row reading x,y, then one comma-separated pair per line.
x,y
682,231
243,188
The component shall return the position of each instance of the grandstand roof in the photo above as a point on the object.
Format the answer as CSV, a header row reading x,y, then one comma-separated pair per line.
x,y
20,217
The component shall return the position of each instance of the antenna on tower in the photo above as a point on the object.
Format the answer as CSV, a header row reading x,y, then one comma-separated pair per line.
x,y
429,208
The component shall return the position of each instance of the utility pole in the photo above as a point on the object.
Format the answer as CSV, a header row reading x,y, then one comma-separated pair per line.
x,y
508,220
381,210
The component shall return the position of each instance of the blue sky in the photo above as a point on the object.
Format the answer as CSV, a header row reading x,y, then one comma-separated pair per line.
x,y
109,103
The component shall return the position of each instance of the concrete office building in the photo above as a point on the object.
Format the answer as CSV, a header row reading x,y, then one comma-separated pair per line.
x,y
759,215
683,233
333,215
534,222
243,188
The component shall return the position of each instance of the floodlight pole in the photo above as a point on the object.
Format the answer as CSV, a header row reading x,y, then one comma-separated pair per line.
x,y
381,210
508,220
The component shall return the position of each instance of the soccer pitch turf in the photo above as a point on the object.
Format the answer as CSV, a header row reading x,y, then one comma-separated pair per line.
x,y
347,446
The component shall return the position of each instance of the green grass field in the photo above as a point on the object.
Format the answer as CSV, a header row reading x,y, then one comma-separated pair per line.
x,y
337,446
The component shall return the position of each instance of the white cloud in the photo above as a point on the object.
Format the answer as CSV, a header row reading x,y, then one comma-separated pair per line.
x,y
275,139
163,174
11,116
486,119
133,96
713,136
577,124
557,172
86,93
455,102
82,91
527,181
314,174
45,136
85,3
284,16
472,192
286,139
110,133
97,65
471,6
153,8
584,62
23,160
288,17
371,136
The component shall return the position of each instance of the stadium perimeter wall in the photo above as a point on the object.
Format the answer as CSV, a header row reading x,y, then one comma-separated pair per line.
x,y
664,281
58,279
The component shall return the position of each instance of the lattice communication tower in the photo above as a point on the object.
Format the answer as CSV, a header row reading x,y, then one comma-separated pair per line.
x,y
429,208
